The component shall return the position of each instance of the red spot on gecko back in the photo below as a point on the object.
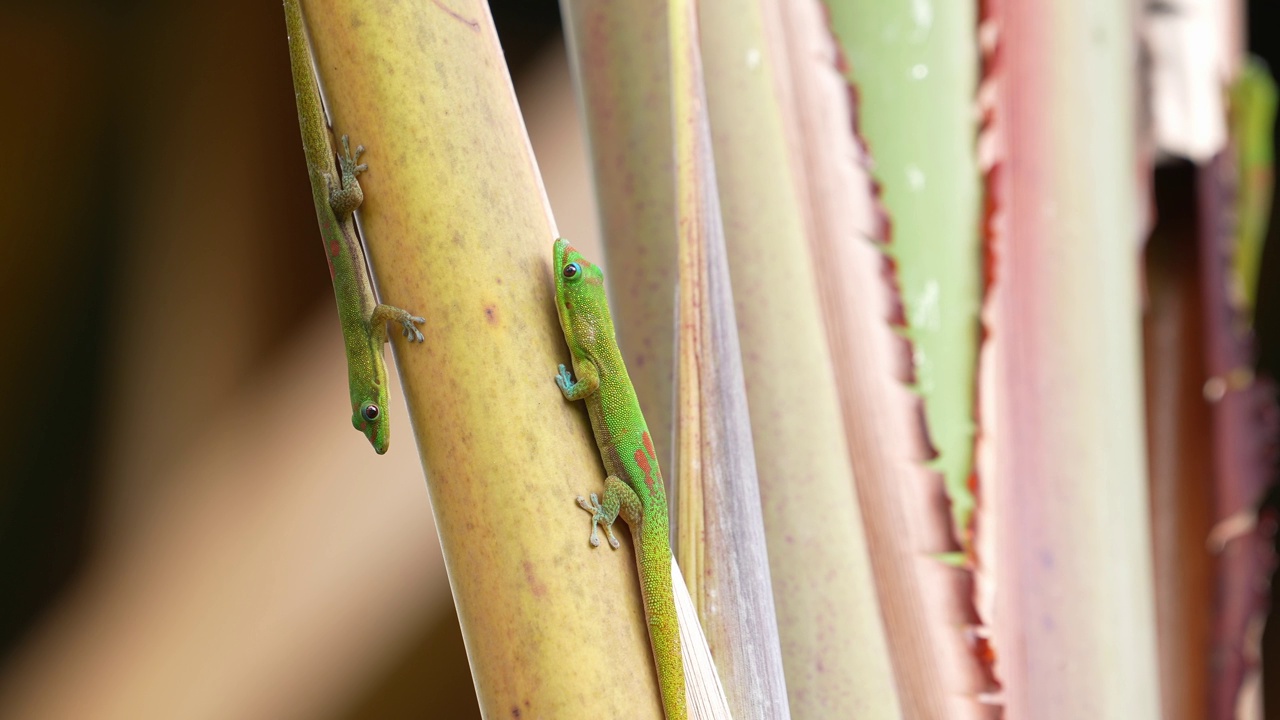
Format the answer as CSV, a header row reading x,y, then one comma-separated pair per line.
x,y
648,444
643,462
333,255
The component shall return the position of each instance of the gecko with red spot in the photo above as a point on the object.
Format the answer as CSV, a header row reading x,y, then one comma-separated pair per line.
x,y
337,194
634,487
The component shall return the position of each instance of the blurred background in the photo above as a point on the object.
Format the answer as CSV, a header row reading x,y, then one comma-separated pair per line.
x,y
189,527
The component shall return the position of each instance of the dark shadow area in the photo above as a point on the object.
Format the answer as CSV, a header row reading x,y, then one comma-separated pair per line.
x,y
1264,41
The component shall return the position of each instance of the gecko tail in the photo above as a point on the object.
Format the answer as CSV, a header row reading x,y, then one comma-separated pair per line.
x,y
653,559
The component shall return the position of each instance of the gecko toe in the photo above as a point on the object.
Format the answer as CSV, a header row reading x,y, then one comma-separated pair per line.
x,y
593,506
409,330
563,379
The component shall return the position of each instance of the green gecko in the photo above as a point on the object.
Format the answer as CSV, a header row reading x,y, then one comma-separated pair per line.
x,y
1253,115
634,487
364,319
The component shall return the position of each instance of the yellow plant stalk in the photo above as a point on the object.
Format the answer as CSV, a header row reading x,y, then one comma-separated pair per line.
x,y
833,641
458,226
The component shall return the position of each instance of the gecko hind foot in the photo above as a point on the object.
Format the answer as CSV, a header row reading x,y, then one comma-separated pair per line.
x,y
347,161
598,518
347,195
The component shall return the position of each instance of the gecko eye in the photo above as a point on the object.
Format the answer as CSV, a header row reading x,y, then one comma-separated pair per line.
x,y
572,270
370,412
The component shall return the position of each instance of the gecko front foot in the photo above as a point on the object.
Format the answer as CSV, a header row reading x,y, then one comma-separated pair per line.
x,y
599,516
564,381
345,198
407,325
384,314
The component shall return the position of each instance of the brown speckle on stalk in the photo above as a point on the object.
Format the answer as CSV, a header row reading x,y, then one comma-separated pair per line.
x,y
469,23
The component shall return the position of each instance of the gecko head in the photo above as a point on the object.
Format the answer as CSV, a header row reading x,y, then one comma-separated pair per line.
x,y
580,296
369,416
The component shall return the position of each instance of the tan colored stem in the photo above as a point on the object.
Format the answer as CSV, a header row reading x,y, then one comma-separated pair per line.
x,y
459,231
721,541
833,641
